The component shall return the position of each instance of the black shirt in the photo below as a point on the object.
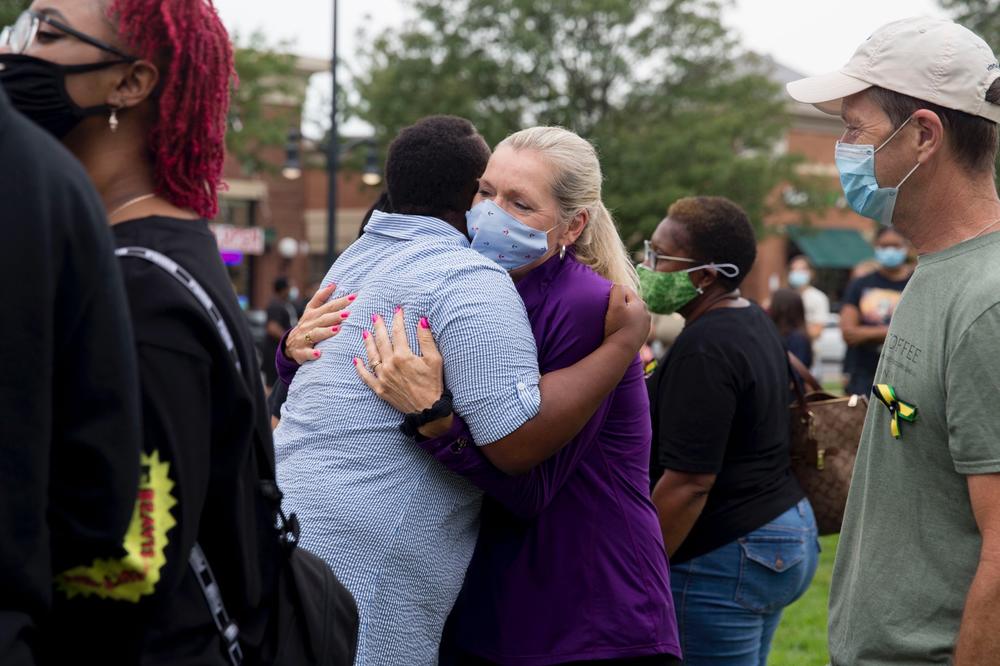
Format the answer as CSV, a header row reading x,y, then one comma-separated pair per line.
x,y
798,343
876,297
69,409
720,406
203,418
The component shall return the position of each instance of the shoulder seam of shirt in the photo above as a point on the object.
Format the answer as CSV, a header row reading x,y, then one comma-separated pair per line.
x,y
975,320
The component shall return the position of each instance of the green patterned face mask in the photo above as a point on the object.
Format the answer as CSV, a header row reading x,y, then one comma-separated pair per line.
x,y
666,293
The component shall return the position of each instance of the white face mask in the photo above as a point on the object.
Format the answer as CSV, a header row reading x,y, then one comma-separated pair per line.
x,y
798,279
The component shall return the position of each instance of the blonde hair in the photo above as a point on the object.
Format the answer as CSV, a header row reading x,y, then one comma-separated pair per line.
x,y
576,185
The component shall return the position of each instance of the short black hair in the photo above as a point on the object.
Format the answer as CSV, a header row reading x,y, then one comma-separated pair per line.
x,y
434,166
280,284
718,231
973,140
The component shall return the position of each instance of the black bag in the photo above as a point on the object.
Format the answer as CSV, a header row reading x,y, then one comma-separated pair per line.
x,y
317,619
313,618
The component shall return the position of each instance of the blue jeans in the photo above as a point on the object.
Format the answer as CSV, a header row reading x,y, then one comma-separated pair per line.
x,y
729,601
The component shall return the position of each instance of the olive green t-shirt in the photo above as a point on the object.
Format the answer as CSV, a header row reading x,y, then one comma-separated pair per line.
x,y
910,544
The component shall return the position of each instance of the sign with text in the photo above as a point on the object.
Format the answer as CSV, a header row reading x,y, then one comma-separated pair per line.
x,y
246,240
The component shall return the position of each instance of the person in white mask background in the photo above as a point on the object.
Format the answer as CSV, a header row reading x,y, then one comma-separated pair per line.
x,y
867,308
816,303
916,579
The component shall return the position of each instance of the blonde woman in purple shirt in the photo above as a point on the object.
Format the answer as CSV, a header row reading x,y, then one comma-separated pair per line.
x,y
570,565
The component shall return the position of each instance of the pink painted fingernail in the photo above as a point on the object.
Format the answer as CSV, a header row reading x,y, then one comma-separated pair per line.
x,y
345,314
350,299
355,361
335,329
424,323
364,335
399,308
374,318
316,353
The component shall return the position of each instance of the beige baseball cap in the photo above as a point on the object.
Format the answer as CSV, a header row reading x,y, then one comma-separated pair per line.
x,y
934,60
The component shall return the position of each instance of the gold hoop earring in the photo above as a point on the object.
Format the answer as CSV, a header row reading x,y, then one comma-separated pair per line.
x,y
113,120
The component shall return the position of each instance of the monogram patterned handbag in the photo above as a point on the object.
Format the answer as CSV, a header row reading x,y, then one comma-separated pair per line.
x,y
825,432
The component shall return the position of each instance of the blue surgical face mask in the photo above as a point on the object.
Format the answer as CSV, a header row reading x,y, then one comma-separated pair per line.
x,y
890,257
499,236
798,279
856,164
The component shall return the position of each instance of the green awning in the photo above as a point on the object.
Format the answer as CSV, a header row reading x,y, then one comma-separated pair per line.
x,y
831,248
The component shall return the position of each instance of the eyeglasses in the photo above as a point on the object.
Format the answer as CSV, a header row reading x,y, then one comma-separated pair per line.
x,y
20,36
650,257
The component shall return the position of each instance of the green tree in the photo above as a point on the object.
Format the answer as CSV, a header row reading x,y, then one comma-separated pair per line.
x,y
265,104
9,10
980,16
673,103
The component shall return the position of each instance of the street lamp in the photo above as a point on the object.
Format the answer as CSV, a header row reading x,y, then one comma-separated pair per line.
x,y
371,175
293,163
332,156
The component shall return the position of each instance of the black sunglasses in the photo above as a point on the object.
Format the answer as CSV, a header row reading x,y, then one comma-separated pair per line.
x,y
21,35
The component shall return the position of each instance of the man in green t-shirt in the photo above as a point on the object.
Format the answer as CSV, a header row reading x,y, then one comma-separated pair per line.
x,y
917,578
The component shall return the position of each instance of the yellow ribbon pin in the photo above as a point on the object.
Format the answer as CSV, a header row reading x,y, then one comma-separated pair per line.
x,y
897,408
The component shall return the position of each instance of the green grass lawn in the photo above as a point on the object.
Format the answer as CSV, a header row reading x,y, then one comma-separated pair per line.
x,y
801,637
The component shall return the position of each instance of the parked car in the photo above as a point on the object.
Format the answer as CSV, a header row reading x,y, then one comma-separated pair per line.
x,y
830,350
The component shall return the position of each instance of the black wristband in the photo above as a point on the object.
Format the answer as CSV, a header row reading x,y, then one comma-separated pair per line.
x,y
440,409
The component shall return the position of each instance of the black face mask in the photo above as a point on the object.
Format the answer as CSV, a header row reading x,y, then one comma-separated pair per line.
x,y
37,88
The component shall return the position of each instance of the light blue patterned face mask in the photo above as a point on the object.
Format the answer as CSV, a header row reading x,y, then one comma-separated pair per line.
x,y
499,236
890,257
856,164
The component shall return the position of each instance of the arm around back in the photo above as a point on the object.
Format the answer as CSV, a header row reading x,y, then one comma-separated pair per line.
x,y
571,396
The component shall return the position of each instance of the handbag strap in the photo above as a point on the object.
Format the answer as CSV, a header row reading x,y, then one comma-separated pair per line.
x,y
810,381
798,374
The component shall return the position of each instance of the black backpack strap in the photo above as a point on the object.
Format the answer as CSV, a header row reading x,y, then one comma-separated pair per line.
x,y
228,630
289,525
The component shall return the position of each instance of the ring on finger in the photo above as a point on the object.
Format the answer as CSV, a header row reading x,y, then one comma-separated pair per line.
x,y
309,339
376,364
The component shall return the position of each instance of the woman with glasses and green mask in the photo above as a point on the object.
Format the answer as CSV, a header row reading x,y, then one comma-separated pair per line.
x,y
138,91
739,532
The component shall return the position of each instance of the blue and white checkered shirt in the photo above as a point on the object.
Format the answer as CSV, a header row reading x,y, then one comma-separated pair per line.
x,y
397,527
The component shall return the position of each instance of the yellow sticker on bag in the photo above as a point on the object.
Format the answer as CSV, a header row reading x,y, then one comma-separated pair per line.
x,y
136,574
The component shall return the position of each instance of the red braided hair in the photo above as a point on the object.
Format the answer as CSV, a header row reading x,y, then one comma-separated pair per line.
x,y
187,40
